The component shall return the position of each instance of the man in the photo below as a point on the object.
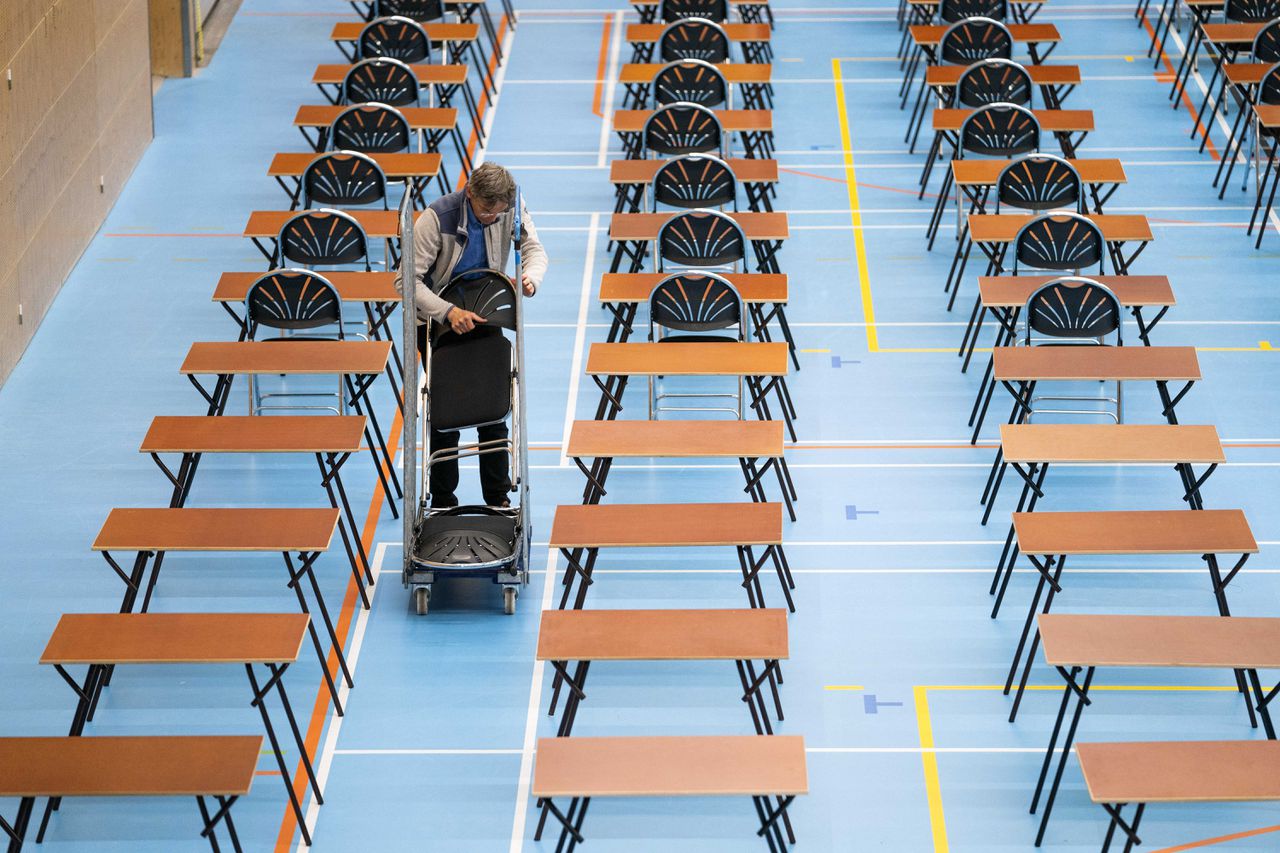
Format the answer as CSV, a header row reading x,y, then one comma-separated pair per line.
x,y
462,231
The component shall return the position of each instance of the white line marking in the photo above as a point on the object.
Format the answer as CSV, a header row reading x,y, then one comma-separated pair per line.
x,y
610,86
579,337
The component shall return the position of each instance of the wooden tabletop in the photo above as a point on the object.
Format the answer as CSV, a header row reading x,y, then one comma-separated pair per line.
x,y
284,356
731,2
1268,115
1181,771
1178,531
1112,444
1232,33
377,224
398,166
1013,291
712,358
756,634
1246,73
651,33
666,525
221,529
1051,121
439,75
676,439
644,226
637,286
101,766
931,34
749,73
970,173
731,121
436,31
254,434
946,76
1021,364
752,171
419,118
726,765
352,286
1004,227
1227,642
154,638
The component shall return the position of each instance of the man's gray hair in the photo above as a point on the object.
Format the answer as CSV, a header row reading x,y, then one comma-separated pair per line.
x,y
491,184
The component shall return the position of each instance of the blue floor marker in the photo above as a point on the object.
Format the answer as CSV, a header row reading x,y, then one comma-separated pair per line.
x,y
872,706
851,512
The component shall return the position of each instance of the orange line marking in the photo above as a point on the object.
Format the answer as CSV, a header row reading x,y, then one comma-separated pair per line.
x,y
860,183
1172,74
597,102
1219,840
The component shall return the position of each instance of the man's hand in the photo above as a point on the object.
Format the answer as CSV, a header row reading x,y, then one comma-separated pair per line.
x,y
462,321
530,287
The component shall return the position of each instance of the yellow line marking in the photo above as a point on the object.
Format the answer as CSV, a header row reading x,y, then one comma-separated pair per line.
x,y
932,787
815,350
855,211
1265,346
843,687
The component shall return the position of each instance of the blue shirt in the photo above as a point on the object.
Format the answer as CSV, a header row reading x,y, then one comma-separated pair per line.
x,y
474,255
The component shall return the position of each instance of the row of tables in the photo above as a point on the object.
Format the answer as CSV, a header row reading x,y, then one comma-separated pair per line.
x,y
1078,645
220,769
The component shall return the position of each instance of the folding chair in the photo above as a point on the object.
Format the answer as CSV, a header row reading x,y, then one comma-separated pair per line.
x,y
293,300
694,181
681,128
693,38
692,81
700,239
346,178
695,304
1073,311
418,10
381,80
963,43
325,237
952,11
711,10
370,128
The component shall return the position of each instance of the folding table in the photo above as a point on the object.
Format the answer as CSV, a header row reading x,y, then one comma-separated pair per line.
x,y
414,169
753,127
631,180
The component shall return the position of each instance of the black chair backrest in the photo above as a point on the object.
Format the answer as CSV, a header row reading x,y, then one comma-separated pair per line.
x,y
992,81
701,238
1073,307
712,10
1059,241
487,292
1269,89
692,81
951,11
372,128
695,302
1251,11
693,38
292,299
1266,44
396,37
974,39
418,10
1000,130
693,181
343,178
682,128
380,80
1040,182
323,236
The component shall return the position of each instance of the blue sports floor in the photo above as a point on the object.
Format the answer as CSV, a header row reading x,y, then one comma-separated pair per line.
x,y
895,664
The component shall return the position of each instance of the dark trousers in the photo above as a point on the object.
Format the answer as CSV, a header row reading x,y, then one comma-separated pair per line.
x,y
495,476
495,471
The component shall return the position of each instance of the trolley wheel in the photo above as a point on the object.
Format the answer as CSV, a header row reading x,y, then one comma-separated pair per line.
x,y
421,599
509,596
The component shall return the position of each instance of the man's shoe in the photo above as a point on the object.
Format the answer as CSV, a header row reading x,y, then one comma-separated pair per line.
x,y
444,503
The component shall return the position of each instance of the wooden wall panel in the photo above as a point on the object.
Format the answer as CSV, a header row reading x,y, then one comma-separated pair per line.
x,y
71,130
